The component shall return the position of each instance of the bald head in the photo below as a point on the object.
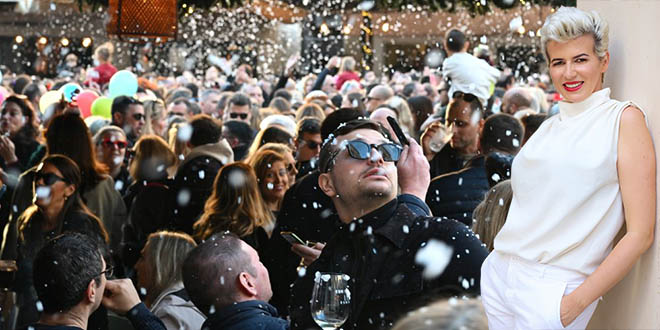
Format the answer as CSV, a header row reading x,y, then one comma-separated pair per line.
x,y
516,99
377,96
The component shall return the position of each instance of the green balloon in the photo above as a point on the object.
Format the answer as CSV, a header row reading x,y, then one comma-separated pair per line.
x,y
102,107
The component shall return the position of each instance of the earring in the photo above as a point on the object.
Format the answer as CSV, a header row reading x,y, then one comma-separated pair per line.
x,y
66,198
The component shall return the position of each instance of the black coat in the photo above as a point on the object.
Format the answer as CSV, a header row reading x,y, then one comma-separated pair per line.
x,y
455,195
310,214
378,253
445,161
246,315
194,179
148,213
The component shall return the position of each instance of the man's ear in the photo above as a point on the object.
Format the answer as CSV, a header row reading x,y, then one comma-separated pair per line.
x,y
247,285
326,185
118,118
92,291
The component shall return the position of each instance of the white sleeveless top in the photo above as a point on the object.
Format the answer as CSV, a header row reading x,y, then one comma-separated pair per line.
x,y
567,207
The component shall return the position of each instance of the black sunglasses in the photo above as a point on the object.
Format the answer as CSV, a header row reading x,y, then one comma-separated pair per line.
x,y
48,178
138,116
235,115
361,150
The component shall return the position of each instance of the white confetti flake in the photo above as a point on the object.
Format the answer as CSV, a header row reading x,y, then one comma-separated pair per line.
x,y
435,257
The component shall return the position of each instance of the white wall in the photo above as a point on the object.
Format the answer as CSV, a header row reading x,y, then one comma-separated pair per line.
x,y
634,74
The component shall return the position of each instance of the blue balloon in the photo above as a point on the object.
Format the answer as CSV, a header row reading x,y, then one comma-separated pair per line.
x,y
70,91
123,83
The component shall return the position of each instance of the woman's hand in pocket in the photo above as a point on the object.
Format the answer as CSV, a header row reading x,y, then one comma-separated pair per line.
x,y
569,309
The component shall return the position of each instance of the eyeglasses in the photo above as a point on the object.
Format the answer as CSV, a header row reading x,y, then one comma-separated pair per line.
x,y
108,272
48,178
118,144
369,98
235,115
138,116
361,150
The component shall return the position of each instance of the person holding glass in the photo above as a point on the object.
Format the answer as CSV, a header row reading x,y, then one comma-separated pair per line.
x,y
578,178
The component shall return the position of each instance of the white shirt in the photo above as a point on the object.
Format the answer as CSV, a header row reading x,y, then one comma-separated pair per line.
x,y
567,207
470,74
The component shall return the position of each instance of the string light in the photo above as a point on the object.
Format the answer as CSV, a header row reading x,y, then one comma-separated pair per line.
x,y
42,40
18,39
86,42
64,42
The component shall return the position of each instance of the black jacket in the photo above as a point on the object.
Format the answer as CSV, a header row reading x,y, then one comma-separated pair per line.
x,y
445,161
193,182
148,213
455,195
378,253
310,214
247,315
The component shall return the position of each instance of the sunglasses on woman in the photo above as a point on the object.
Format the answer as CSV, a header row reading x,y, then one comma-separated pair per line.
x,y
48,178
110,144
361,150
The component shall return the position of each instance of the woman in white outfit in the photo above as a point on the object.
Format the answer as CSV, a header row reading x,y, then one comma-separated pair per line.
x,y
578,178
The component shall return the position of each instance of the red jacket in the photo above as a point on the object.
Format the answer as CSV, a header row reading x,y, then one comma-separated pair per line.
x,y
346,76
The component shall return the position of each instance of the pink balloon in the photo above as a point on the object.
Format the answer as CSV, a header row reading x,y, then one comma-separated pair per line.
x,y
3,93
85,100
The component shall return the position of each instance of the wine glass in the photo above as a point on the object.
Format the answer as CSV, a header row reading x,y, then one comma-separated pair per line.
x,y
331,300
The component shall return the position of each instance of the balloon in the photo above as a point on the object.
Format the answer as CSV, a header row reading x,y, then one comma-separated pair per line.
x,y
2,98
70,90
101,107
4,92
123,83
48,99
85,100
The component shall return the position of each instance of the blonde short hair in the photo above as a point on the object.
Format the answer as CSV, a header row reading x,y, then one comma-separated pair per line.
x,y
569,23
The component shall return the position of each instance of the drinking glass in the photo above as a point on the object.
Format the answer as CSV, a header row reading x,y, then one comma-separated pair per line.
x,y
331,300
441,138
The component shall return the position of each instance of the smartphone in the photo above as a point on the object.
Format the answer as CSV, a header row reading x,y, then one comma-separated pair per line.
x,y
294,239
403,140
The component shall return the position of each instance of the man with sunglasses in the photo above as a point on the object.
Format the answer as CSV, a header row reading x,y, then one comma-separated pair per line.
x,y
128,114
72,280
308,145
378,95
239,108
377,245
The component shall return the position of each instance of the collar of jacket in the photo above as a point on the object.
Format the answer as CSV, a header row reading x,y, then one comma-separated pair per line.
x,y
220,151
250,307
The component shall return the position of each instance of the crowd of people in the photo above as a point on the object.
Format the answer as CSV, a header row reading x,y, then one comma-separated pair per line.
x,y
215,202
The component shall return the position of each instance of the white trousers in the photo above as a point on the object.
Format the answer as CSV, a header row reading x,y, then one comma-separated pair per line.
x,y
519,294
